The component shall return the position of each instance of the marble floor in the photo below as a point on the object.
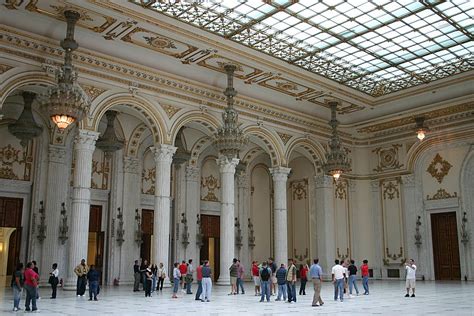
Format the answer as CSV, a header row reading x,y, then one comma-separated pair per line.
x,y
386,297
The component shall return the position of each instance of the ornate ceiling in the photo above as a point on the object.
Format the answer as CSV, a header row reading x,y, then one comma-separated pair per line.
x,y
377,47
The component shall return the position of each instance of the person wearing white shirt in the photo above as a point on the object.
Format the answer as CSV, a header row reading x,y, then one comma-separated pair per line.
x,y
410,267
176,278
338,276
54,280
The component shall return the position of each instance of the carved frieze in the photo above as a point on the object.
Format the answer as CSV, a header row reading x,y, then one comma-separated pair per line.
x,y
299,189
439,168
442,194
92,92
340,189
212,184
284,137
170,110
15,164
391,190
388,158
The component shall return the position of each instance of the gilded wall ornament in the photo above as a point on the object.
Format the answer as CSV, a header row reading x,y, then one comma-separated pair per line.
x,y
390,190
92,92
439,168
100,171
340,190
160,42
442,194
15,164
284,137
148,181
388,158
299,189
170,110
4,68
393,257
212,184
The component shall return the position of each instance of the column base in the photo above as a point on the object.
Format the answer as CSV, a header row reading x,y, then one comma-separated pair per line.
x,y
222,281
70,284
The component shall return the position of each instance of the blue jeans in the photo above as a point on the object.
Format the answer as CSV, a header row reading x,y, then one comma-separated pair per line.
x,y
16,296
352,282
93,287
339,288
175,285
291,291
30,296
153,287
240,283
281,292
365,284
199,290
265,288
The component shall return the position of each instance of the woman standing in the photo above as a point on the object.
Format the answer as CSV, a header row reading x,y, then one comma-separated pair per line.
x,y
53,279
148,280
17,284
161,277
154,271
304,278
176,278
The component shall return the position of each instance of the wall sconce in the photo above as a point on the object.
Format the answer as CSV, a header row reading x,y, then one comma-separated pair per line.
x,y
251,234
42,225
417,232
120,230
238,233
139,232
185,234
63,228
199,234
464,232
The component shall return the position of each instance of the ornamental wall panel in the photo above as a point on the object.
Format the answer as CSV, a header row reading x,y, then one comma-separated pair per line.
x,y
148,173
298,190
100,170
210,181
342,219
16,162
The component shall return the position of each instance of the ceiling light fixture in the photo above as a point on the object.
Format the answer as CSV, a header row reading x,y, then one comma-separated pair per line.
x,y
66,102
25,127
421,129
337,161
109,142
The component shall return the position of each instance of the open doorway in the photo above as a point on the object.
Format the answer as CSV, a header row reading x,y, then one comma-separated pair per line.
x,y
10,234
95,251
147,236
210,249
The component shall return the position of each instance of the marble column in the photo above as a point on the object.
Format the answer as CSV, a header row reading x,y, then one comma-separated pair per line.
x,y
243,185
325,222
377,266
227,236
192,210
280,214
84,145
161,219
56,193
130,202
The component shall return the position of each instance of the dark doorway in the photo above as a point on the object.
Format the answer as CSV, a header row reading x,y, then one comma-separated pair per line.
x,y
95,253
10,216
445,246
210,249
147,230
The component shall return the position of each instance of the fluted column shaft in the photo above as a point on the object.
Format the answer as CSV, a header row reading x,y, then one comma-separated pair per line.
x,y
325,222
56,192
244,199
161,222
280,176
227,231
192,210
84,145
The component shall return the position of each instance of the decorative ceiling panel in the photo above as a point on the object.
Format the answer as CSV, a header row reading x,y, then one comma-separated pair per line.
x,y
377,47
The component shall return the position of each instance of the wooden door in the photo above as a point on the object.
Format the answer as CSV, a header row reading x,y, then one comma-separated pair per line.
x,y
445,246
210,250
147,230
95,253
10,216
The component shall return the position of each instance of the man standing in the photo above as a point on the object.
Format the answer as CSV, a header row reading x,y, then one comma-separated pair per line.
x,y
291,281
410,267
352,277
93,277
199,281
81,272
338,276
189,276
364,270
273,267
233,277
183,268
31,282
206,282
136,275
240,277
316,274
143,267
281,281
265,275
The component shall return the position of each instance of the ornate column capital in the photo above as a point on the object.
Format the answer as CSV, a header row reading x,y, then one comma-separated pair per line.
x,y
375,185
163,152
192,173
323,181
57,153
130,164
243,181
227,165
280,173
85,139
408,180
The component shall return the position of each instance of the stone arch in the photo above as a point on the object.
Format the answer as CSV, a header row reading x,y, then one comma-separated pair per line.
x,y
23,79
467,205
141,105
251,154
133,144
197,149
271,143
313,150
209,122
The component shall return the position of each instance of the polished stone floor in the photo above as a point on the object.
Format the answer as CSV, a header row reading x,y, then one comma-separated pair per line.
x,y
386,297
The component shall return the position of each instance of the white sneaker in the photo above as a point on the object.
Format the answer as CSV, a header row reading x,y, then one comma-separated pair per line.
x,y
350,296
15,309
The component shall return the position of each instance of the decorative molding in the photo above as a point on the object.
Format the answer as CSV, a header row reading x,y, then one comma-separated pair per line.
x,y
57,154
388,158
340,190
192,173
212,184
408,180
130,164
92,92
85,140
442,194
323,181
284,137
299,189
393,257
163,152
102,169
170,110
439,168
391,189
4,68
149,176
15,164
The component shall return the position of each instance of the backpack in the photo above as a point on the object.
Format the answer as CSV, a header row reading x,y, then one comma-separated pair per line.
x,y
265,274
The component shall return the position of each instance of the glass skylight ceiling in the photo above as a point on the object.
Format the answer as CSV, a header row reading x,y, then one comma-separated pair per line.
x,y
377,47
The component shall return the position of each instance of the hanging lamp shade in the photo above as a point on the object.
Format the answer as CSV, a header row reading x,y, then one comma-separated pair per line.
x,y
109,142
25,128
182,155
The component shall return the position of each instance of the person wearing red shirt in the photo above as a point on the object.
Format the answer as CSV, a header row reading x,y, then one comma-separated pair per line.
x,y
364,268
183,268
256,277
31,282
303,276
199,281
